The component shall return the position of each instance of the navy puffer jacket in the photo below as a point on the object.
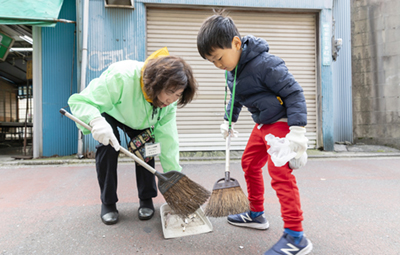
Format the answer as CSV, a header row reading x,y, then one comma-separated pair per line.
x,y
261,79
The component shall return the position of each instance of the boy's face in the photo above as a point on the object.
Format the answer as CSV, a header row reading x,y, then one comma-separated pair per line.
x,y
226,59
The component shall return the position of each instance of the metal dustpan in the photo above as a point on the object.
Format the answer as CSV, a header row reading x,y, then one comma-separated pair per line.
x,y
174,225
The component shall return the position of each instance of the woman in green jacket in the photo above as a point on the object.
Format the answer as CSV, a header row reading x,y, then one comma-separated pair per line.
x,y
134,96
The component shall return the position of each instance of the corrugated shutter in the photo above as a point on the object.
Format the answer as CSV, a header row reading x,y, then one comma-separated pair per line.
x,y
291,36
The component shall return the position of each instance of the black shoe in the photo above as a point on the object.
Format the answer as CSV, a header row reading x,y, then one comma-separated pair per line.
x,y
110,218
109,214
146,209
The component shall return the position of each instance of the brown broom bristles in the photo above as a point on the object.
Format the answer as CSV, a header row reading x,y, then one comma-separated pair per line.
x,y
227,201
186,196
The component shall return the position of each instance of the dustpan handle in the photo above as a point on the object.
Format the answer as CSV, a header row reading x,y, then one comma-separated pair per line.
x,y
125,151
227,157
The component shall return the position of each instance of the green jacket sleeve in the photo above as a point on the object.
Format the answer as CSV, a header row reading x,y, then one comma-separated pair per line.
x,y
166,134
101,95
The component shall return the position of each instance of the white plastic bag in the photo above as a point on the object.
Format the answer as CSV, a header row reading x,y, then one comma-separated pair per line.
x,y
281,152
297,163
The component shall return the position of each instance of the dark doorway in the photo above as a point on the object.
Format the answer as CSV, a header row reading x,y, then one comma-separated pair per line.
x,y
16,99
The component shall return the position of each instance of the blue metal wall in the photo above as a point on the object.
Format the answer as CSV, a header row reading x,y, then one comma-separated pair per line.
x,y
59,81
341,68
115,34
326,95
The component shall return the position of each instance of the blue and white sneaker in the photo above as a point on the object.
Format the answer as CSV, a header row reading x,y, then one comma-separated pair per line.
x,y
286,246
245,220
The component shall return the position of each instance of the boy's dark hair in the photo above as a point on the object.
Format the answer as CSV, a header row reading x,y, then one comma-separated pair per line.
x,y
217,31
169,73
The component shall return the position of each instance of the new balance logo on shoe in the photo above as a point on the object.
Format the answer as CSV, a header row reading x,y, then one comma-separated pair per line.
x,y
246,216
245,220
287,246
289,251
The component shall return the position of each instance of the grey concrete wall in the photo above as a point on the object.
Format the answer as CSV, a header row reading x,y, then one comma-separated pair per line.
x,y
376,71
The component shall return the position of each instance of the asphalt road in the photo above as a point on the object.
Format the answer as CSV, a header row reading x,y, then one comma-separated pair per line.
x,y
351,206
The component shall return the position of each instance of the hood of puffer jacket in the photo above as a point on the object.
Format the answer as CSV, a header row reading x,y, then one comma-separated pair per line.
x,y
252,47
156,54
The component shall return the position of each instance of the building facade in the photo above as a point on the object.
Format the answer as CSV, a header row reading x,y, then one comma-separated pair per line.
x,y
306,34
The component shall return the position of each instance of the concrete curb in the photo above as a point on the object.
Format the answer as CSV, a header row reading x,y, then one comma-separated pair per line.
x,y
320,155
356,155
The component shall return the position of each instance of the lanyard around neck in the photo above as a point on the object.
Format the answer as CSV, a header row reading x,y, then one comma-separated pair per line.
x,y
233,96
152,116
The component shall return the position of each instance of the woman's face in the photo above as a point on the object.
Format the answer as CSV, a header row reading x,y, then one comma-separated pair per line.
x,y
167,97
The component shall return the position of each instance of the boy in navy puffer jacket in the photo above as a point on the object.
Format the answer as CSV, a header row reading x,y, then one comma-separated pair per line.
x,y
261,82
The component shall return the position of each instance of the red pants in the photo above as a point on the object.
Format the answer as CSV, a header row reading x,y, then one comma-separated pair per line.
x,y
254,158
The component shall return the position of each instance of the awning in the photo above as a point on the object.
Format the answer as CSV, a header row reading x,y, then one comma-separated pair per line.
x,y
36,12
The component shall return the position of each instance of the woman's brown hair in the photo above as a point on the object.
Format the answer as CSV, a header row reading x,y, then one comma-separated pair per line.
x,y
169,73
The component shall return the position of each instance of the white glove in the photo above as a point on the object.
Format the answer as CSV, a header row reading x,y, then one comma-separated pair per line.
x,y
298,140
103,132
225,129
298,163
281,152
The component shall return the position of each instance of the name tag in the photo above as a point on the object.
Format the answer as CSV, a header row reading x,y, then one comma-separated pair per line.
x,y
152,149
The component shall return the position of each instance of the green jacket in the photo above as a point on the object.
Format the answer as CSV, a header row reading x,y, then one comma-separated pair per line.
x,y
118,93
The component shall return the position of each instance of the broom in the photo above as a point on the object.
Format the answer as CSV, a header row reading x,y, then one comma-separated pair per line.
x,y
227,197
183,195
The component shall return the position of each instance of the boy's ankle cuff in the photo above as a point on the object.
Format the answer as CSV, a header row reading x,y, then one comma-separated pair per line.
x,y
255,214
293,233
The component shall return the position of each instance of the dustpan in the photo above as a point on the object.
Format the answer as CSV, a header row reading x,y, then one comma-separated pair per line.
x,y
174,225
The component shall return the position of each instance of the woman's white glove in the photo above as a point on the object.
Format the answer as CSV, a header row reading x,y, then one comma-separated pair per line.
x,y
225,129
298,140
103,132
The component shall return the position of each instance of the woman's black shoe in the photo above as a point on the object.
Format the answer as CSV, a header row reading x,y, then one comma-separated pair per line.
x,y
109,214
146,209
110,218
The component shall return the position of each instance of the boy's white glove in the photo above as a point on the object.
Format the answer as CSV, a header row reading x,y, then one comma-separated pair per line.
x,y
298,163
281,152
103,132
298,140
225,129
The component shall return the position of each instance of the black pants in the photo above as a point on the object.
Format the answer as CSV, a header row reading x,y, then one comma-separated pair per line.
x,y
106,166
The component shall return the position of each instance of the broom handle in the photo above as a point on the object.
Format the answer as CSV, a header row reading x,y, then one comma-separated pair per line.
x,y
125,151
227,157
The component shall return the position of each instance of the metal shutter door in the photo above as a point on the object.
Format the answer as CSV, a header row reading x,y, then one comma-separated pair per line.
x,y
290,36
